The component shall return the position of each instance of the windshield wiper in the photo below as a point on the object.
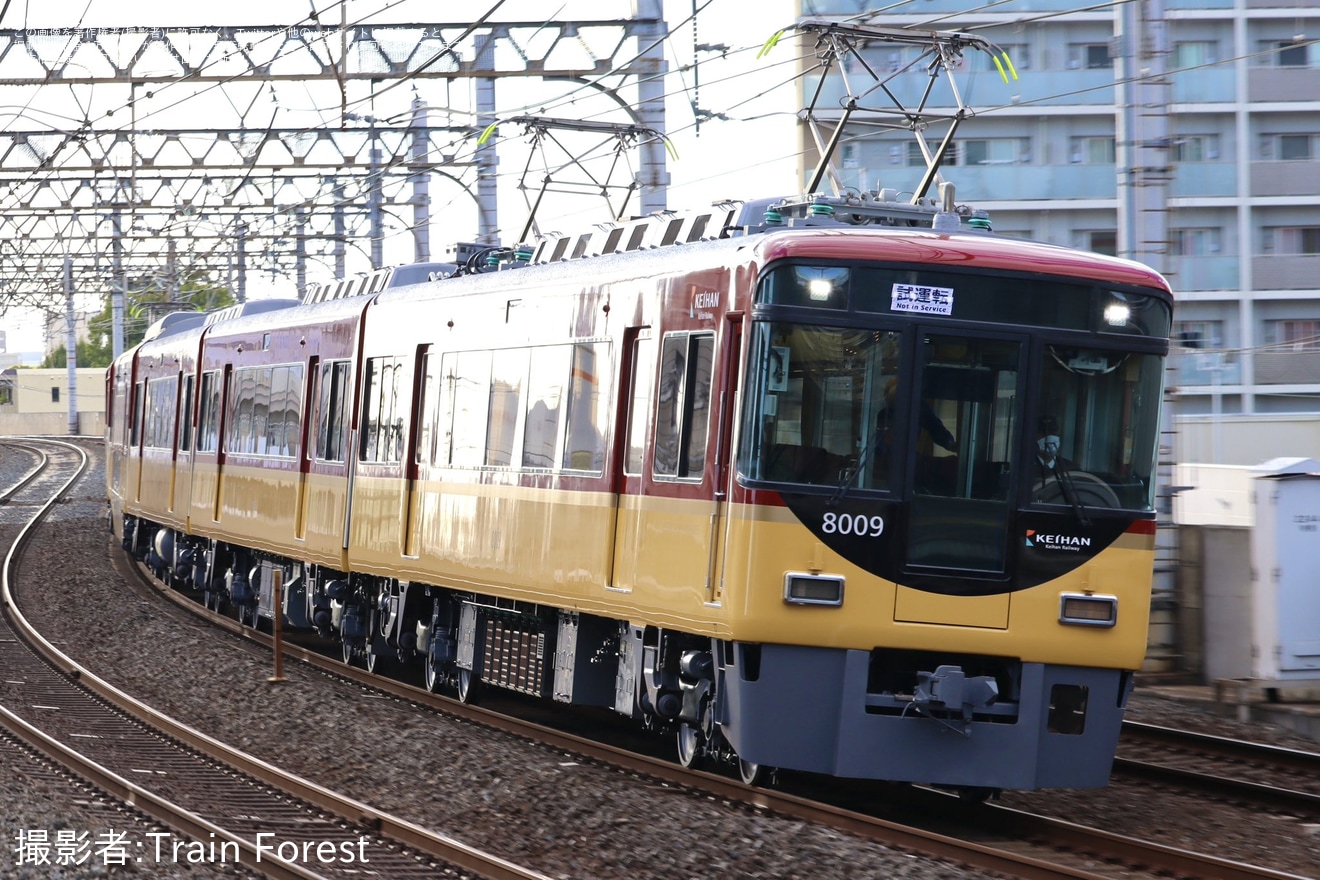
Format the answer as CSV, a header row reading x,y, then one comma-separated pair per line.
x,y
1071,495
850,477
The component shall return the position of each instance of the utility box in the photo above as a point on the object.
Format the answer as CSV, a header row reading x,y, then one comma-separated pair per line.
x,y
1285,569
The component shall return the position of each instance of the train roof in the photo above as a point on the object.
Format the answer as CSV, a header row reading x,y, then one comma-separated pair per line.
x,y
966,250
869,226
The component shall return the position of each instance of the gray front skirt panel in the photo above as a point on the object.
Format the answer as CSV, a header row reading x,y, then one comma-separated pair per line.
x,y
807,711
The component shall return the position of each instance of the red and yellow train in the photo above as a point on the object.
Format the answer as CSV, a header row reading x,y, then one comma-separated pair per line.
x,y
774,486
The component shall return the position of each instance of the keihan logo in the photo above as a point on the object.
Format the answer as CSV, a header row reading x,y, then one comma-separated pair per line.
x,y
1056,542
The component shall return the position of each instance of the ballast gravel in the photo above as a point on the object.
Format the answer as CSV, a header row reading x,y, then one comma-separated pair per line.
x,y
533,806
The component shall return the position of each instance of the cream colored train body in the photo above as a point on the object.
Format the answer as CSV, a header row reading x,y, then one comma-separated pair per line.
x,y
782,495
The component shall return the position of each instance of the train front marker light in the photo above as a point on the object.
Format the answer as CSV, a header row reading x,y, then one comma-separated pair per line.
x,y
801,588
1080,609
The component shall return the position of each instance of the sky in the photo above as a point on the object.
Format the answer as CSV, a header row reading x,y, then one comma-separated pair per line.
x,y
750,154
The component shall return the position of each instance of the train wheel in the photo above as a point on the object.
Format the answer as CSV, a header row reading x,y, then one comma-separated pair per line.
x,y
752,774
689,741
377,664
434,675
346,652
468,686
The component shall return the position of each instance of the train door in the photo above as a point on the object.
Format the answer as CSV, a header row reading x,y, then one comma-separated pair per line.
x,y
636,383
963,435
181,474
727,403
136,437
666,532
420,453
311,396
221,421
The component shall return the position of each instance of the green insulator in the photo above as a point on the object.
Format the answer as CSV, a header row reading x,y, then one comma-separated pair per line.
x,y
524,254
982,223
774,218
819,210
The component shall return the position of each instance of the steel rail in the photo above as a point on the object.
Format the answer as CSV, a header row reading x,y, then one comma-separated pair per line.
x,y
983,856
439,846
29,476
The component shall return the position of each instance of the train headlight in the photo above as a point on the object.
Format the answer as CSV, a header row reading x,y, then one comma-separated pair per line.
x,y
813,589
1088,610
1117,314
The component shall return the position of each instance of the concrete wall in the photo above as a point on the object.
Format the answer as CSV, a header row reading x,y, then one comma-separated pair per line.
x,y
1246,439
90,424
32,409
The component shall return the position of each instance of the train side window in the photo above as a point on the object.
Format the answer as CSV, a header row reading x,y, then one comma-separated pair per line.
x,y
208,425
284,417
259,388
639,407
545,396
135,424
424,453
330,422
508,376
382,435
185,415
162,396
469,393
588,407
682,414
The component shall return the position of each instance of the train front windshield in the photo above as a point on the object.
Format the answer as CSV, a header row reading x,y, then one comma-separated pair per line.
x,y
934,410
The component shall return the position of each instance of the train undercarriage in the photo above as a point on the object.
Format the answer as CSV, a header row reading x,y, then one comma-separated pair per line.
x,y
664,679
974,723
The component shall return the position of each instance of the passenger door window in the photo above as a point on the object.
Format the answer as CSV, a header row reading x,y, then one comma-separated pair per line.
x,y
683,404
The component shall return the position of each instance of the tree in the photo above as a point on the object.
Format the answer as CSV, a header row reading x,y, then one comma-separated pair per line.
x,y
145,300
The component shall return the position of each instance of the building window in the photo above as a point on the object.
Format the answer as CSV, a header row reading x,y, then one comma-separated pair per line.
x,y
1092,56
916,159
1198,334
1100,241
1289,53
1195,53
1194,148
1298,147
1290,240
1195,242
996,151
55,394
1293,334
1092,151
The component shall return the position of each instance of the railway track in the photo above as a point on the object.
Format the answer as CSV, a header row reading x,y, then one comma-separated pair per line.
x,y
219,805
984,836
1268,776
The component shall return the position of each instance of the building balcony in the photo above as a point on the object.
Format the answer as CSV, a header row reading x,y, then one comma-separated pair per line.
x,y
1286,272
1274,84
1204,273
1287,367
978,89
1204,179
981,183
1193,367
1204,86
1285,178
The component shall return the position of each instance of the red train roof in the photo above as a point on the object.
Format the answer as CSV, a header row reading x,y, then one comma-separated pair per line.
x,y
958,249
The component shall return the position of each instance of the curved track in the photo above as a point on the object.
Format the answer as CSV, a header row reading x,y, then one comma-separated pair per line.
x,y
246,811
987,837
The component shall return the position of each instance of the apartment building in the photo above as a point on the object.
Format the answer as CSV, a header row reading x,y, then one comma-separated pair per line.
x,y
1182,133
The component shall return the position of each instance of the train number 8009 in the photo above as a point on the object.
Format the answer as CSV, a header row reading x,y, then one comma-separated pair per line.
x,y
853,524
